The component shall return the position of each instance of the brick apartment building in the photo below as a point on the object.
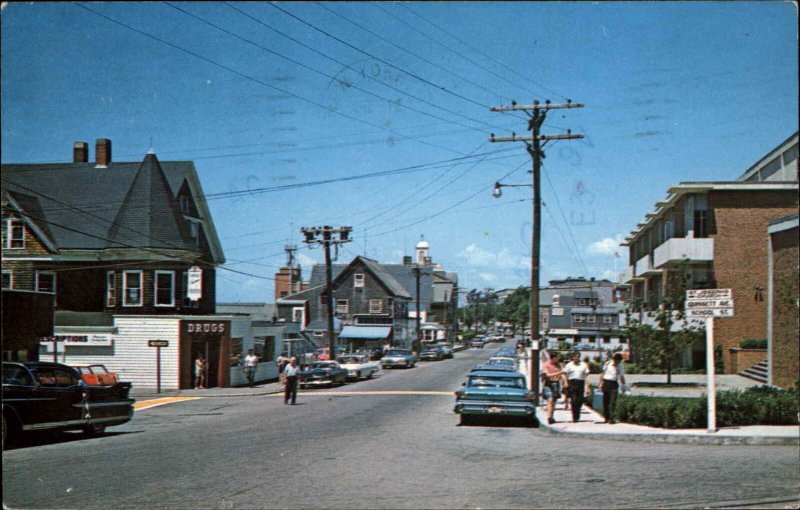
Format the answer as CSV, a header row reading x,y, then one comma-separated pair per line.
x,y
784,300
721,230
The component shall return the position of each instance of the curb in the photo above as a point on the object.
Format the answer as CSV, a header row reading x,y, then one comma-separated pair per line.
x,y
667,438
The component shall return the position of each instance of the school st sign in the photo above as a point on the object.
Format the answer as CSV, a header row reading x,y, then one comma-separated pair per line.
x,y
708,304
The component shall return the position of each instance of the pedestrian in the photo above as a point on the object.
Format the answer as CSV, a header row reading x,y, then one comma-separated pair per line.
x,y
291,372
282,362
552,376
577,374
250,366
200,372
613,374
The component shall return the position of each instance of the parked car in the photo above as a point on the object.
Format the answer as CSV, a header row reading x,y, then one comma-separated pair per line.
x,y
448,350
358,366
489,393
323,373
504,360
432,353
477,343
395,358
39,395
493,368
322,354
97,375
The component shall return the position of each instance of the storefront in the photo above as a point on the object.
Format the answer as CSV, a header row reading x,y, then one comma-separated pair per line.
x,y
212,340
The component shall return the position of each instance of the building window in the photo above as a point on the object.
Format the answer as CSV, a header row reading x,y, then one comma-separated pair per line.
x,y
701,224
131,288
164,288
606,339
358,280
111,288
195,230
8,279
299,315
590,318
578,317
608,319
184,202
15,234
375,306
46,282
342,306
188,303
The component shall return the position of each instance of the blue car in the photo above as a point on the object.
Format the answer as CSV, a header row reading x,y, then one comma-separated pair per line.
x,y
495,393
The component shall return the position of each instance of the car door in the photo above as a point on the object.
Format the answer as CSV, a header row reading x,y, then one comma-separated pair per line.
x,y
60,396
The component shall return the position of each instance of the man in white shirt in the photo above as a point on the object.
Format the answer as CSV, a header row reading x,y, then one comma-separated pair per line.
x,y
291,372
613,375
250,365
577,372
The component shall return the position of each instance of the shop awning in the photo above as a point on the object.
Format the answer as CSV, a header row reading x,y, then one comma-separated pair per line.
x,y
366,332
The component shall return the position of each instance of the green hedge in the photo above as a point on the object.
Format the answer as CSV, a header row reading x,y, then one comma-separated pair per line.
x,y
760,405
750,343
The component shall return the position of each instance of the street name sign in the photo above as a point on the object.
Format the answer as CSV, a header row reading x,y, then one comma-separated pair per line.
x,y
708,304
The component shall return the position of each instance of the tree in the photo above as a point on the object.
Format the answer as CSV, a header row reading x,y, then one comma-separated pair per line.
x,y
657,347
516,308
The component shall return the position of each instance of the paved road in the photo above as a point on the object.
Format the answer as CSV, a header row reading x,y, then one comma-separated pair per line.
x,y
397,450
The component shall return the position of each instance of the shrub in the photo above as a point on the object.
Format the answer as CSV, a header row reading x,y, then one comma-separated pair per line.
x,y
750,343
761,405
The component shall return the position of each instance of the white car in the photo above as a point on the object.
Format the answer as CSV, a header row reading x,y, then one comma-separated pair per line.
x,y
358,366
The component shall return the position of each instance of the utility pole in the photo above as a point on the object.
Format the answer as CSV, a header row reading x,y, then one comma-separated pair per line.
x,y
325,237
536,113
417,339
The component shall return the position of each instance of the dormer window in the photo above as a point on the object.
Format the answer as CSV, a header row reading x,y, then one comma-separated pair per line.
x,y
358,280
15,234
184,203
195,229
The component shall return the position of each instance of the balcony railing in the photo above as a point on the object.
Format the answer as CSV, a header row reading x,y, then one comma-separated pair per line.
x,y
644,266
628,275
678,248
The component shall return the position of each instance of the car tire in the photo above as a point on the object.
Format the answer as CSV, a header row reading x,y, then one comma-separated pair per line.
x,y
465,420
94,430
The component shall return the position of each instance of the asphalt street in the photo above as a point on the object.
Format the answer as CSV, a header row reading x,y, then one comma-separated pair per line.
x,y
390,442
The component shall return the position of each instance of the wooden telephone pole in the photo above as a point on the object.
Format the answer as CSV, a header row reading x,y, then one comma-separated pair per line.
x,y
537,113
325,237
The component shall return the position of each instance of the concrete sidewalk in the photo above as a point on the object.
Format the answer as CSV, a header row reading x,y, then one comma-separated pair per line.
x,y
592,426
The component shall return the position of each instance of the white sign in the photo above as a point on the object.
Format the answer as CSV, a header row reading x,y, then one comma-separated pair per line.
x,y
558,311
77,340
702,313
194,287
709,294
708,303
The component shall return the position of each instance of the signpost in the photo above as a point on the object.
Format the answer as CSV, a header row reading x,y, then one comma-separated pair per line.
x,y
707,304
158,344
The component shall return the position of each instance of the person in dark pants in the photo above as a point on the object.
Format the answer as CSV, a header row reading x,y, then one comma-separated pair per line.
x,y
290,390
578,383
613,375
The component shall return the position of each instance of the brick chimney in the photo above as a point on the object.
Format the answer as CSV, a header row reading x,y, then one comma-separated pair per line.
x,y
102,152
407,260
80,152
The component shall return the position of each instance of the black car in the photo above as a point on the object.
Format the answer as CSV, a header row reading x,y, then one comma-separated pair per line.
x,y
432,353
323,373
40,395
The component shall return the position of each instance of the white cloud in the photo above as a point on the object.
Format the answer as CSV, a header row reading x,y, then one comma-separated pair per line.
x,y
606,246
488,277
610,275
504,259
306,261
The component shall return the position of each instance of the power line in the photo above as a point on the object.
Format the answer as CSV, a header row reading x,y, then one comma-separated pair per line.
x,y
404,71
476,50
356,87
256,80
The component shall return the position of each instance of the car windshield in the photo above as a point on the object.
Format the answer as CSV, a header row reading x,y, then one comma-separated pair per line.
x,y
496,382
348,359
502,361
323,365
397,352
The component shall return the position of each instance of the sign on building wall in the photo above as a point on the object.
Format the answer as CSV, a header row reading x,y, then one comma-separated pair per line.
x,y
704,303
77,340
194,287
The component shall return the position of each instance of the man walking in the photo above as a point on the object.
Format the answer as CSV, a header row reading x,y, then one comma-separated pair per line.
x,y
577,383
552,376
250,365
291,372
613,374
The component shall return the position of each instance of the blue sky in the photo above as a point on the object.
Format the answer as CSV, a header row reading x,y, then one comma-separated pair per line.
x,y
261,96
